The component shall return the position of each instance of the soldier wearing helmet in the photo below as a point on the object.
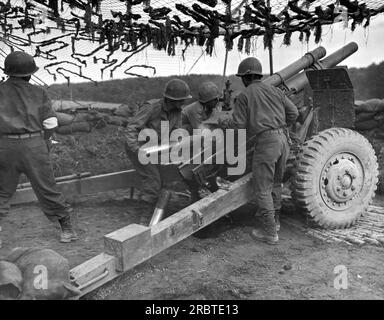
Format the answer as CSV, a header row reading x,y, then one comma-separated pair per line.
x,y
265,112
196,113
150,115
25,114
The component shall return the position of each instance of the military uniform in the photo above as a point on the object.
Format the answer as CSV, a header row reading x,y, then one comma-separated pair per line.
x,y
264,111
23,109
149,115
193,116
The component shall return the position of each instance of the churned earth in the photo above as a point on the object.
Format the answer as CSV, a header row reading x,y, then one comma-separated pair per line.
x,y
227,265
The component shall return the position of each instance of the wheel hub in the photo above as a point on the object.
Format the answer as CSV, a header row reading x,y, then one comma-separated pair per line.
x,y
346,181
341,180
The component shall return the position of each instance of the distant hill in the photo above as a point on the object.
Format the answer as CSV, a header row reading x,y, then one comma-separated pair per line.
x,y
131,90
368,83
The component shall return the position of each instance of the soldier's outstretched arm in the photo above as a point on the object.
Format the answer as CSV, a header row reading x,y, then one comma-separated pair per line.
x,y
239,115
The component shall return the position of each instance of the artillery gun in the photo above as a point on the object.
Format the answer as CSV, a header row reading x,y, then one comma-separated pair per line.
x,y
332,168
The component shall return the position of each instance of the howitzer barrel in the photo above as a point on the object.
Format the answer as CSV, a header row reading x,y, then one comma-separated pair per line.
x,y
299,81
304,62
338,56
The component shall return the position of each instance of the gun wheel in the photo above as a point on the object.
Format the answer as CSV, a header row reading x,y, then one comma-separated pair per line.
x,y
336,177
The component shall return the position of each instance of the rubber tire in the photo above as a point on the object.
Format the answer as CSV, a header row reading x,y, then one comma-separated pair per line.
x,y
310,163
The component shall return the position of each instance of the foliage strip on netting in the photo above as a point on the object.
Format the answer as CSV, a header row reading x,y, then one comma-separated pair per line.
x,y
130,26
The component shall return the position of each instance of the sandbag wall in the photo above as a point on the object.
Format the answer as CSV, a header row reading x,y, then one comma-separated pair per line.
x,y
78,120
370,116
370,122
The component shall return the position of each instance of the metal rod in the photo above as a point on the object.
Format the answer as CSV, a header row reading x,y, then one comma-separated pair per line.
x,y
229,13
202,53
225,69
270,49
71,177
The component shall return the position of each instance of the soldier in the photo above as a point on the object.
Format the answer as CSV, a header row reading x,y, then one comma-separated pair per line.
x,y
25,114
264,111
196,113
150,115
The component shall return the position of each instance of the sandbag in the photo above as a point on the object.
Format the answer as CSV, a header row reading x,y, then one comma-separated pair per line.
x,y
368,124
45,274
96,119
64,119
363,116
74,127
83,117
90,116
11,281
371,105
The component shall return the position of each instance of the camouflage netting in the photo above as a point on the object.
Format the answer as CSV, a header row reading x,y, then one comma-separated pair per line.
x,y
70,35
73,38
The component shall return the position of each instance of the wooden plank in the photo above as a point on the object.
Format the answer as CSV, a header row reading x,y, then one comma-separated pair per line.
x,y
93,273
376,209
186,222
77,187
131,245
135,244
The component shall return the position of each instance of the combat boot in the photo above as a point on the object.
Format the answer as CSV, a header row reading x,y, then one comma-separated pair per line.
x,y
67,232
277,220
268,232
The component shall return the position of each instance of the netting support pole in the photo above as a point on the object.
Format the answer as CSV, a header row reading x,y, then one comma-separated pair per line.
x,y
270,46
225,69
226,50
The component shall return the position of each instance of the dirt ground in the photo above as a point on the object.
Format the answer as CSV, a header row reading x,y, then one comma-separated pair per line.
x,y
227,265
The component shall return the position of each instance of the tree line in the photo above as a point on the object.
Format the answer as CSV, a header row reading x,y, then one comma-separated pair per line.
x,y
368,83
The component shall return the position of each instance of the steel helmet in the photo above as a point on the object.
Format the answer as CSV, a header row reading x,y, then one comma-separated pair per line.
x,y
177,89
208,91
249,65
19,64
11,280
